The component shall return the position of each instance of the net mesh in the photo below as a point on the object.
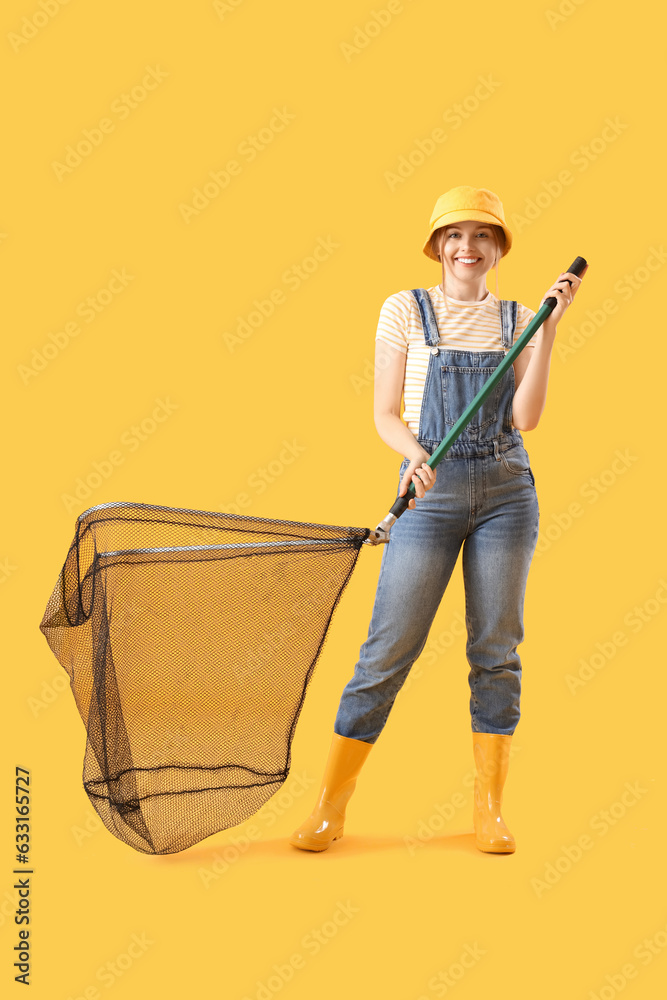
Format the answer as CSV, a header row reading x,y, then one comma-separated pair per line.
x,y
190,638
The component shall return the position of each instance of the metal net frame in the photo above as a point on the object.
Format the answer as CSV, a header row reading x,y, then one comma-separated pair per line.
x,y
190,638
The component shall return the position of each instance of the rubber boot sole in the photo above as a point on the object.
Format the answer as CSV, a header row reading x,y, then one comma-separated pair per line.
x,y
315,845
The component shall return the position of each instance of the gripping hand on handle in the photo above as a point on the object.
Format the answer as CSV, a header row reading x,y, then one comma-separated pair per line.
x,y
563,291
419,473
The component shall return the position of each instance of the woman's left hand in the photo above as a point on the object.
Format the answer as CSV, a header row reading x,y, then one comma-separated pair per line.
x,y
563,293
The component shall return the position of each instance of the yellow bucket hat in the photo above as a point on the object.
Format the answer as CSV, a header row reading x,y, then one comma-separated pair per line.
x,y
464,203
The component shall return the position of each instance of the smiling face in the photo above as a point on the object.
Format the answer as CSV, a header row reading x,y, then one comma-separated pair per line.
x,y
470,248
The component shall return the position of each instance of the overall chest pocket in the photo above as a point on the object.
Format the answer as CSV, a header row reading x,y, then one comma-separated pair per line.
x,y
460,385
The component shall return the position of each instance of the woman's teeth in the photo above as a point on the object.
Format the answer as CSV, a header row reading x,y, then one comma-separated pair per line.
x,y
467,260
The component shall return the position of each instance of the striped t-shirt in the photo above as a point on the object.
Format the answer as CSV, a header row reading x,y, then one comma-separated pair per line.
x,y
467,325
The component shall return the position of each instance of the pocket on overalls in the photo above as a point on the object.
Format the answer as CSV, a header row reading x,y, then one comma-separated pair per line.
x,y
516,461
404,464
460,385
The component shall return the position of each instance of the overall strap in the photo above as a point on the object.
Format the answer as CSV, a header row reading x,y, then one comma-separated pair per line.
x,y
429,324
508,316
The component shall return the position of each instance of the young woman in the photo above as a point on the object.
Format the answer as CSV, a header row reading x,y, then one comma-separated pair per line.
x,y
437,347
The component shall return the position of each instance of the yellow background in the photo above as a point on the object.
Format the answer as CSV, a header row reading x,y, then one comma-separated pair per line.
x,y
361,98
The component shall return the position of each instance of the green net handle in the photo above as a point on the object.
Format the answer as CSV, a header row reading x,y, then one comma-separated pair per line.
x,y
547,307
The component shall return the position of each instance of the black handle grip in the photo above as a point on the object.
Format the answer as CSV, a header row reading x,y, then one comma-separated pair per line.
x,y
579,265
401,503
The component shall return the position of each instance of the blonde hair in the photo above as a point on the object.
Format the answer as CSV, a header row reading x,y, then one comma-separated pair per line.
x,y
437,240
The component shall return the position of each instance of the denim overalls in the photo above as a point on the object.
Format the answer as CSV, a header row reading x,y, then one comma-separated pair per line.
x,y
483,499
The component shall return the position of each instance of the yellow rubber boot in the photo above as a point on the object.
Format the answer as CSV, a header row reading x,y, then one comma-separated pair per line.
x,y
491,752
325,823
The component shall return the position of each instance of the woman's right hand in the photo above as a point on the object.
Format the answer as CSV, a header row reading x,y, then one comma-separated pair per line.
x,y
419,473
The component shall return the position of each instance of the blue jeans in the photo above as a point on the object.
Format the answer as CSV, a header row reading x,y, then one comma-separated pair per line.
x,y
488,505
